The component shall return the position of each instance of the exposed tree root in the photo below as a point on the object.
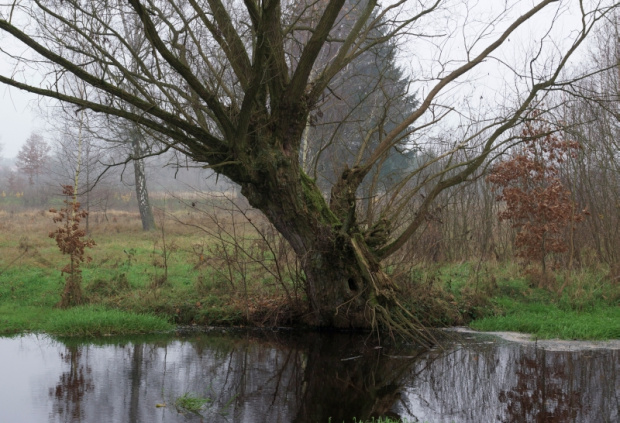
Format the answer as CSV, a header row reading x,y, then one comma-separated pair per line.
x,y
387,313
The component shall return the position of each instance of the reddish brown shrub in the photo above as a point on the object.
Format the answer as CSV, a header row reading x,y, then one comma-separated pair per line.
x,y
537,203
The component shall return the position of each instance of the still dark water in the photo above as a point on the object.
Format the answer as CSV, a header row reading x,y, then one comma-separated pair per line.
x,y
276,377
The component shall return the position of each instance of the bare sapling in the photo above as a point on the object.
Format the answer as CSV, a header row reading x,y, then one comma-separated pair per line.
x,y
167,249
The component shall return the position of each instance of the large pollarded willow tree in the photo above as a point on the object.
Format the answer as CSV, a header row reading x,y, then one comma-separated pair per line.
x,y
233,85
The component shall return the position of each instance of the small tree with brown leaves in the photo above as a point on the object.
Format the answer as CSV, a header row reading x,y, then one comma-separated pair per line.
x,y
70,239
537,203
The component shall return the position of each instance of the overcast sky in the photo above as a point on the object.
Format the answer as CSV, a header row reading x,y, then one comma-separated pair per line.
x,y
17,119
20,114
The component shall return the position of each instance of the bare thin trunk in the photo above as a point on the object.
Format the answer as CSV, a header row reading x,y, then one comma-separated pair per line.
x,y
142,194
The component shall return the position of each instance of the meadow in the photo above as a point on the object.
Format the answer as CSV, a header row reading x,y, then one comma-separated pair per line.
x,y
220,266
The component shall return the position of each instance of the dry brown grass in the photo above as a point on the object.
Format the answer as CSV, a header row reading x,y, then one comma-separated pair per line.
x,y
25,239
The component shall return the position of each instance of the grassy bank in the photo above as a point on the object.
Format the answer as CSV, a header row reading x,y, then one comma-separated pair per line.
x,y
29,293
580,304
192,273
137,281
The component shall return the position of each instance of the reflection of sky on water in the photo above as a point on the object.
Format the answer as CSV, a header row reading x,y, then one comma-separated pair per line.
x,y
24,363
281,380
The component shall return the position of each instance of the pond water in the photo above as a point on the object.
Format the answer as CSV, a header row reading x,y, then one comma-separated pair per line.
x,y
303,377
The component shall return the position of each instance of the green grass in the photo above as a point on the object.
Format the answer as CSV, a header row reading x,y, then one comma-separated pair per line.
x,y
78,321
546,321
492,297
587,308
189,402
28,295
97,321
376,420
379,420
126,292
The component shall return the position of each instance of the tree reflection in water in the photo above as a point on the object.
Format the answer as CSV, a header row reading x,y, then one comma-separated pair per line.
x,y
507,382
310,377
307,378
537,396
263,377
69,392
346,378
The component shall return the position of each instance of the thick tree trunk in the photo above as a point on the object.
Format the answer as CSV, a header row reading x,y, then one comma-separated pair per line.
x,y
345,284
142,193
